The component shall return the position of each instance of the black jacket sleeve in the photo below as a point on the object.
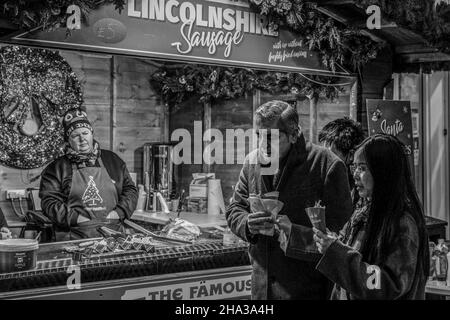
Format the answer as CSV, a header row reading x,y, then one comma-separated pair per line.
x,y
388,280
239,209
54,198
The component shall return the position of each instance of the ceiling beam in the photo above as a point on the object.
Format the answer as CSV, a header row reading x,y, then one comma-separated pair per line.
x,y
334,2
333,15
414,48
424,57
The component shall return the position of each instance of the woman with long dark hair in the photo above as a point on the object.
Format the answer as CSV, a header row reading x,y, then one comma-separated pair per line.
x,y
382,252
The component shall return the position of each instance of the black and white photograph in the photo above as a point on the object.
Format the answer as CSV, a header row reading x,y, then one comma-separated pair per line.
x,y
240,152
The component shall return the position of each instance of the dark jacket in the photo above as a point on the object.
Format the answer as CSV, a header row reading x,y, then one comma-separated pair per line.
x,y
55,188
400,276
311,173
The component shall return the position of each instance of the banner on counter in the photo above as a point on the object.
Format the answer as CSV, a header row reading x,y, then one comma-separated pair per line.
x,y
225,283
225,32
225,288
392,117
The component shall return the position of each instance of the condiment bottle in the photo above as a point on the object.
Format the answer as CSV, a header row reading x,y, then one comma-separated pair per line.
x,y
448,263
441,262
432,274
141,198
228,237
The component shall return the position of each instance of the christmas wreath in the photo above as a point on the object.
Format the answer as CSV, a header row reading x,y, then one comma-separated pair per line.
x,y
36,87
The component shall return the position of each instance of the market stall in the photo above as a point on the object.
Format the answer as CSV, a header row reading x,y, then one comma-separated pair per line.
x,y
150,73
103,63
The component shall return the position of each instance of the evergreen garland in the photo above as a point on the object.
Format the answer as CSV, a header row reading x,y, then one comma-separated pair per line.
x,y
50,14
176,83
337,44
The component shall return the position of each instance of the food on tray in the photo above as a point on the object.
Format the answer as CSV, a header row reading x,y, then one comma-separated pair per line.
x,y
182,229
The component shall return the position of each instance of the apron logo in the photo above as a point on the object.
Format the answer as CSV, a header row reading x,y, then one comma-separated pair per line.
x,y
91,193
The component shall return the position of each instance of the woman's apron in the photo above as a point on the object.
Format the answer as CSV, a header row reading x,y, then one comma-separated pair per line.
x,y
95,190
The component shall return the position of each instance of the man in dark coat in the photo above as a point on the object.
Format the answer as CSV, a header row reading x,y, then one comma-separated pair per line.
x,y
284,264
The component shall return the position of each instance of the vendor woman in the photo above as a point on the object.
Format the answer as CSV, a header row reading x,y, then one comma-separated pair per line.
x,y
88,187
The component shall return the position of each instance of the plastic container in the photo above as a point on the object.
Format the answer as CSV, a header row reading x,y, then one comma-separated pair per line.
x,y
18,255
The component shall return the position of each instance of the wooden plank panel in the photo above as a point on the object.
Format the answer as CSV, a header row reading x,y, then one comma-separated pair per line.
x,y
142,114
135,85
98,115
96,84
231,114
183,117
93,73
86,60
129,142
101,134
132,64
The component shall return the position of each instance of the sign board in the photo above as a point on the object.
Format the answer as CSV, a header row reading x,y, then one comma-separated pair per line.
x,y
214,284
392,117
225,288
221,32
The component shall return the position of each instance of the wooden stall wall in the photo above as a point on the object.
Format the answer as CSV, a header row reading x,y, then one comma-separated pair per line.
x,y
231,114
138,115
121,105
126,113
327,110
183,117
238,114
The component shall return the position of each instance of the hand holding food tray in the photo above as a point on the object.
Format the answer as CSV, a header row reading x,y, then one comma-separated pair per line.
x,y
316,215
266,203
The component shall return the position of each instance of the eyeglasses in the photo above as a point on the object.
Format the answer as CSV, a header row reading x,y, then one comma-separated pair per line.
x,y
358,167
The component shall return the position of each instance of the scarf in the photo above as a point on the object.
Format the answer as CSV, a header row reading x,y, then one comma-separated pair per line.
x,y
354,234
357,223
83,159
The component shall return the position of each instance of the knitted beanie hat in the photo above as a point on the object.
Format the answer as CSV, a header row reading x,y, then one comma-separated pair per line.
x,y
75,119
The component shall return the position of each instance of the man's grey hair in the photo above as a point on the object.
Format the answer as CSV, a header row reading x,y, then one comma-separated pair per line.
x,y
282,112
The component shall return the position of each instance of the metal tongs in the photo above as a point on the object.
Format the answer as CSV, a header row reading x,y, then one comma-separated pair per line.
x,y
151,234
107,232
